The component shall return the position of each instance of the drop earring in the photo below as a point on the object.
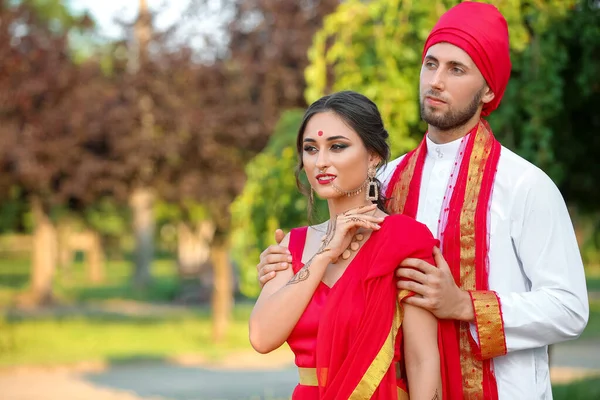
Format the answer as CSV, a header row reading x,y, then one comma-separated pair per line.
x,y
372,188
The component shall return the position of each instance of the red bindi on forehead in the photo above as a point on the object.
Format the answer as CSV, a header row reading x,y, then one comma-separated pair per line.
x,y
320,133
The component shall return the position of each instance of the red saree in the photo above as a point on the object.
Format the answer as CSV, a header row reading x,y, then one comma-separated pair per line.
x,y
359,328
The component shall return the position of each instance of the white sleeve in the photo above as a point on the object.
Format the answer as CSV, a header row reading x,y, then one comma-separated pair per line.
x,y
556,308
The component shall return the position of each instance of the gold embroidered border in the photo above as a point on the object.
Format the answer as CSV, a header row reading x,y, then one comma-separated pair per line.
x,y
400,192
402,395
488,317
472,368
381,364
308,376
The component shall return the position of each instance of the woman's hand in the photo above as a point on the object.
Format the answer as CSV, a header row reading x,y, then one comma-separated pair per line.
x,y
344,226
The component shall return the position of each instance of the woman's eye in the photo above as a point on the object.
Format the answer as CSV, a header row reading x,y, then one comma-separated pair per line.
x,y
338,146
309,149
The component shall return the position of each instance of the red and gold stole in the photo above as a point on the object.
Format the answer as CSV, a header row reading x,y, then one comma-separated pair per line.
x,y
467,370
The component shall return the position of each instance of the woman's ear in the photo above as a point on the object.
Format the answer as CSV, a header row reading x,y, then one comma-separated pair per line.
x,y
374,160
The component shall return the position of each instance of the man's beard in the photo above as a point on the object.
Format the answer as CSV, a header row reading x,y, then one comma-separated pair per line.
x,y
453,118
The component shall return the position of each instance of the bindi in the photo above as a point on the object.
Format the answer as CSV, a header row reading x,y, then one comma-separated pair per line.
x,y
320,133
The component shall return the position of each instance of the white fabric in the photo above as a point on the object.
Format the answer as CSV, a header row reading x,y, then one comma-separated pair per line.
x,y
535,264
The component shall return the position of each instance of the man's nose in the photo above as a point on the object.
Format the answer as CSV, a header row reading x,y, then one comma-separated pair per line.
x,y
437,80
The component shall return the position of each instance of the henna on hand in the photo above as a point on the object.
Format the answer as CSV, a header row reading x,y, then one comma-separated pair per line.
x,y
304,272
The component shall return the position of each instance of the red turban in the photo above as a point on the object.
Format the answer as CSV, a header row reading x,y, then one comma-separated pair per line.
x,y
482,32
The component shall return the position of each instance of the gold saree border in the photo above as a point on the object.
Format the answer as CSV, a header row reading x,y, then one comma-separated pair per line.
x,y
472,367
402,395
400,191
490,327
381,364
308,376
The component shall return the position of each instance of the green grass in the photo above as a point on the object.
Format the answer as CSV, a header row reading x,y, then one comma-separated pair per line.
x,y
92,323
72,285
587,389
116,338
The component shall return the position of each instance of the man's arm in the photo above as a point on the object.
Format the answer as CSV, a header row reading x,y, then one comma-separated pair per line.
x,y
556,308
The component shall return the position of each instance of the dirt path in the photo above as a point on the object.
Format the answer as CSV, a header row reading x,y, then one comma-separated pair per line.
x,y
246,376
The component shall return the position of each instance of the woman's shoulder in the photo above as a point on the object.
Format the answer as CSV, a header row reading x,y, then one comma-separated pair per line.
x,y
401,223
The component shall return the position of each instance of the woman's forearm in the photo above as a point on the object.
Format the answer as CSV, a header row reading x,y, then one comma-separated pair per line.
x,y
421,354
275,314
424,381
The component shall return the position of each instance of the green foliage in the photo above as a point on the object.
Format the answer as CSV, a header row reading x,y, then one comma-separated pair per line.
x,y
54,12
375,48
107,218
270,200
12,212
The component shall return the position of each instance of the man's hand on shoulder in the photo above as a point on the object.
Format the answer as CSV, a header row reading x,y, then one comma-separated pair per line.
x,y
275,258
435,288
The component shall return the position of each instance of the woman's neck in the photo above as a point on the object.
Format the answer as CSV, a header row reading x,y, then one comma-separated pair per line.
x,y
342,204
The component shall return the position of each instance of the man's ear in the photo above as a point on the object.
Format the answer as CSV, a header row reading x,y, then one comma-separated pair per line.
x,y
488,95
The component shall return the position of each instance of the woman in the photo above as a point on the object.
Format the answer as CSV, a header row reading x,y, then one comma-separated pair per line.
x,y
337,308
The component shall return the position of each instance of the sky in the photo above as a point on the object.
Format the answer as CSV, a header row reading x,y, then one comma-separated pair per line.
x,y
193,31
104,12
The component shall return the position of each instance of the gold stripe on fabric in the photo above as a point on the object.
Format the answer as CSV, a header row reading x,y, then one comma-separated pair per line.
x,y
400,192
472,368
402,294
402,395
381,364
488,318
308,376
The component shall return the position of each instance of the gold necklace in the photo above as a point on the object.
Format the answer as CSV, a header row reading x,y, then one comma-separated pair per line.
x,y
354,246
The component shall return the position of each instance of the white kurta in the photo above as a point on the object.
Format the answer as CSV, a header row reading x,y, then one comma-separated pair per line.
x,y
535,264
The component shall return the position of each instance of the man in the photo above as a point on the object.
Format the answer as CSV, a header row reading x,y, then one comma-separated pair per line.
x,y
509,279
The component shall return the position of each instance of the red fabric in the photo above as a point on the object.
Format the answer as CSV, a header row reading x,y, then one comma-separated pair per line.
x,y
360,309
449,343
482,32
303,338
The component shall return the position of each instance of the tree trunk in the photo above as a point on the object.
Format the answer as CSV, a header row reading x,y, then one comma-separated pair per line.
x,y
222,297
193,246
44,254
65,254
95,258
141,202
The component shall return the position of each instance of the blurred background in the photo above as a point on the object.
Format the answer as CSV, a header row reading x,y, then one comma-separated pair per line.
x,y
147,156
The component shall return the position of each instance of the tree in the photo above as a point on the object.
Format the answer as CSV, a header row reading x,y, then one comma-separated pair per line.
x,y
243,94
38,82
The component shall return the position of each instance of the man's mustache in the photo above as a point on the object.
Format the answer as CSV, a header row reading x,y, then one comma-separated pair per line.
x,y
435,95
